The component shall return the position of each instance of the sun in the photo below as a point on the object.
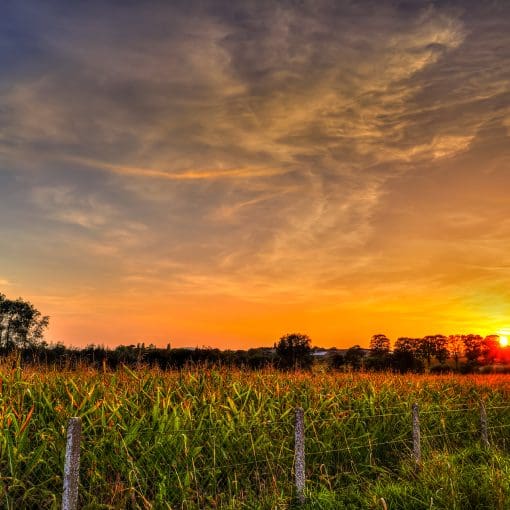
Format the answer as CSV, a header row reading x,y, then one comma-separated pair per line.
x,y
503,341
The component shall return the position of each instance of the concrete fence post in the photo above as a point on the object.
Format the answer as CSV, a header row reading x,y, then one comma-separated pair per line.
x,y
299,455
72,465
416,438
483,426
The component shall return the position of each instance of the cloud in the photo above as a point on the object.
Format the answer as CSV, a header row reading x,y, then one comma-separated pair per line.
x,y
66,205
187,175
262,150
204,91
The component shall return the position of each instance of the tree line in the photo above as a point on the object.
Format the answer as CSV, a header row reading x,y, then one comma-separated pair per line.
x,y
22,329
437,353
431,353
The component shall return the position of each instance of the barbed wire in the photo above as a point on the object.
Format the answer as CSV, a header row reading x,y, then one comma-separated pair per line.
x,y
407,405
370,445
359,447
290,455
261,460
347,413
406,413
497,407
498,426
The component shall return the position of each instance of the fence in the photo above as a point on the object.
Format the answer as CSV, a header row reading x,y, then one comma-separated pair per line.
x,y
296,465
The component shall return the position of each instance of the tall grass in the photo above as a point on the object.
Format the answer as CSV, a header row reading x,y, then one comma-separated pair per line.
x,y
211,438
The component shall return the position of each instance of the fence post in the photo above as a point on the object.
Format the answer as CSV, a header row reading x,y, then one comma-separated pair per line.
x,y
483,425
72,465
299,454
416,438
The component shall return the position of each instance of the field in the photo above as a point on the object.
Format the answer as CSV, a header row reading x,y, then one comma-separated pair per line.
x,y
212,438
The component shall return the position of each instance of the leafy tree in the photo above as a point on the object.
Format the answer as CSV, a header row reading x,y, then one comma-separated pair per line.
x,y
456,348
379,357
21,324
337,361
379,344
433,346
472,347
261,357
490,350
354,357
407,355
294,351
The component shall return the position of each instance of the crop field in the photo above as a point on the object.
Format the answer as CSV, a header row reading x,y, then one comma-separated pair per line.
x,y
214,438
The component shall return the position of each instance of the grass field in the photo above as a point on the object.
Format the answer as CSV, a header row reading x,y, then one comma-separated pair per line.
x,y
212,438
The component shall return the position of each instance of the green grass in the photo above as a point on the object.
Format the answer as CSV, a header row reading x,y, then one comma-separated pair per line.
x,y
209,438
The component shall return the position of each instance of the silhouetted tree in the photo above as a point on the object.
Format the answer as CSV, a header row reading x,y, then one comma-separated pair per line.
x,y
259,358
379,357
21,324
354,357
294,351
379,344
455,348
406,355
472,347
490,349
337,361
433,346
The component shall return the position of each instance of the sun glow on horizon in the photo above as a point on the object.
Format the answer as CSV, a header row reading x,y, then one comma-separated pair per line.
x,y
504,335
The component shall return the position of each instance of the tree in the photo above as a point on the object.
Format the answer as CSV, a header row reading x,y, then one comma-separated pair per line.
x,y
490,349
354,357
472,347
294,351
21,324
337,361
379,345
407,356
433,346
456,348
379,357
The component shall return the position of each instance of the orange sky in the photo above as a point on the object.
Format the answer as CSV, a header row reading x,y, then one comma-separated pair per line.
x,y
220,175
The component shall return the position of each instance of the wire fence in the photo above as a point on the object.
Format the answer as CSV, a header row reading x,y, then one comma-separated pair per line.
x,y
289,455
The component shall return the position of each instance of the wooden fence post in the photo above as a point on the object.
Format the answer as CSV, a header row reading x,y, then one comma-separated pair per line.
x,y
299,455
483,426
416,438
72,465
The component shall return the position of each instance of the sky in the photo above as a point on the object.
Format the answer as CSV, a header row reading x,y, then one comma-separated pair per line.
x,y
222,173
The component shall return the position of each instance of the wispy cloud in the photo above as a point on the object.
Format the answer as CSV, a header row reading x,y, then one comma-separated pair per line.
x,y
187,175
291,153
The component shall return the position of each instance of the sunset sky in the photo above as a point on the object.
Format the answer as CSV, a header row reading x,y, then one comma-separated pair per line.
x,y
221,173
